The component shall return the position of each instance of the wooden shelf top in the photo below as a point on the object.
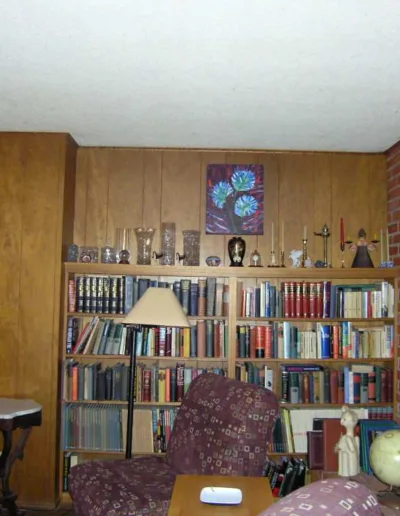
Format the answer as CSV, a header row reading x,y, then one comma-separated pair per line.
x,y
334,405
316,360
239,272
146,358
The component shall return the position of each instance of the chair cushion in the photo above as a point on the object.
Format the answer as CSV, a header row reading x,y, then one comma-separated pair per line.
x,y
333,497
223,428
141,486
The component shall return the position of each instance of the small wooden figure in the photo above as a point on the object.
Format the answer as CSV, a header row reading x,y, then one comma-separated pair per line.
x,y
362,248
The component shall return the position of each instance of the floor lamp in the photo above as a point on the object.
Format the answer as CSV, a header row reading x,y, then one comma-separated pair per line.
x,y
157,307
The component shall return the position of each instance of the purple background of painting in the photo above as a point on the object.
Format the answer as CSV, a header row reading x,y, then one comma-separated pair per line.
x,y
217,222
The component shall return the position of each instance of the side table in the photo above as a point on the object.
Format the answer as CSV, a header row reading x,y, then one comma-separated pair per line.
x,y
14,413
257,496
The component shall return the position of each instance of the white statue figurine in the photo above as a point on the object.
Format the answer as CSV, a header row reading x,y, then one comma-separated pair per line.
x,y
295,255
348,446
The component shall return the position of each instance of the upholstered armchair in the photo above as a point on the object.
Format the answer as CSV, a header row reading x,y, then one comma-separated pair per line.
x,y
333,497
223,427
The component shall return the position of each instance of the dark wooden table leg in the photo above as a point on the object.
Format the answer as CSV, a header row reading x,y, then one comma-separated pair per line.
x,y
7,459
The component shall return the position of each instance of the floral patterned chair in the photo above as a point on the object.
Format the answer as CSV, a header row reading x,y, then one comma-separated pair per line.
x,y
222,428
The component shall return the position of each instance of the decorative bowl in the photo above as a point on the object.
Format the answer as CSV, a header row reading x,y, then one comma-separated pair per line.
x,y
213,261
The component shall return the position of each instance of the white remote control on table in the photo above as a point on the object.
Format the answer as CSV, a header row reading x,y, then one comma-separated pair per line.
x,y
221,495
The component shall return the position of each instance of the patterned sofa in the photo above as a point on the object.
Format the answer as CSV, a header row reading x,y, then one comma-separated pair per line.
x,y
222,428
333,497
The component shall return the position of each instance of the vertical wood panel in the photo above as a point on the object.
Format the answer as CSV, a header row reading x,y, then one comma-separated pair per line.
x,y
152,191
271,206
97,183
11,188
212,245
40,247
181,192
351,196
322,201
377,202
296,196
125,194
33,178
83,165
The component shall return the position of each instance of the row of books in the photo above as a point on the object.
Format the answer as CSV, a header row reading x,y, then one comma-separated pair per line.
x,y
89,382
342,340
118,294
205,338
290,430
318,300
354,384
326,433
285,476
97,427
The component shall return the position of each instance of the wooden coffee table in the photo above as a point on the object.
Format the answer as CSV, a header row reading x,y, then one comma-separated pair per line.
x,y
257,496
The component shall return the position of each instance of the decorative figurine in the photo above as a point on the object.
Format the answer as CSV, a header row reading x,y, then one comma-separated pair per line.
x,y
325,234
213,261
348,446
108,254
295,255
73,253
88,254
361,248
255,259
124,257
236,250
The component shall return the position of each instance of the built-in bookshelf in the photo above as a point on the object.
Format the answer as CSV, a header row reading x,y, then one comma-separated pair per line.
x,y
317,337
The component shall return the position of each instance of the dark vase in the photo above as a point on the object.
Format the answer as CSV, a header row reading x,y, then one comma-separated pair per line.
x,y
236,250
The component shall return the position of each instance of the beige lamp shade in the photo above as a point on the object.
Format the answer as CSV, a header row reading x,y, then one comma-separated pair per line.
x,y
157,307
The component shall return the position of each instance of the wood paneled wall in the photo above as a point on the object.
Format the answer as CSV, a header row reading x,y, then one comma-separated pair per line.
x,y
37,195
142,187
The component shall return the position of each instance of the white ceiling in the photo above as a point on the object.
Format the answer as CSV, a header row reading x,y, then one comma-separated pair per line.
x,y
269,74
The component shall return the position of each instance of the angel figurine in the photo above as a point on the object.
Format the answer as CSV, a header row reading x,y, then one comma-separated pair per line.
x,y
361,248
348,446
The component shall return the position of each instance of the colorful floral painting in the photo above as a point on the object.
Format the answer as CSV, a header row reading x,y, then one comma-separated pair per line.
x,y
235,199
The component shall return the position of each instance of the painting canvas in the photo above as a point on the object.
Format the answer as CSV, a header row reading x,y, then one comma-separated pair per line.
x,y
235,199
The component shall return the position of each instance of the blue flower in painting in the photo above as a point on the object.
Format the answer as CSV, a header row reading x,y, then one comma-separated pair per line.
x,y
246,205
220,193
243,180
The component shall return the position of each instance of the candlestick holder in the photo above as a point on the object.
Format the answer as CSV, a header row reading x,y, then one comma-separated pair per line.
x,y
342,248
325,234
304,256
282,258
273,260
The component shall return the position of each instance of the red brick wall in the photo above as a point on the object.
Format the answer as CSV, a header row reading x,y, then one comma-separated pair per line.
x,y
393,213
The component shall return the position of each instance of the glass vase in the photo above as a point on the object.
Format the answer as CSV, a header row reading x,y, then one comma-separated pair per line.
x,y
123,245
144,241
191,247
168,231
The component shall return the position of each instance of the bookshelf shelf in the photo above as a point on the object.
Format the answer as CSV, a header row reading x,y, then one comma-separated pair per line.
x,y
122,316
233,272
147,358
327,320
239,283
333,405
117,402
322,361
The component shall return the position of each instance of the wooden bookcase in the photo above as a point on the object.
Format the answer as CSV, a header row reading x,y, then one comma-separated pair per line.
x,y
238,280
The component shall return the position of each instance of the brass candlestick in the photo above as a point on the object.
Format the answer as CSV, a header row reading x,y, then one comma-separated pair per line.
x,y
304,257
325,234
273,260
282,258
